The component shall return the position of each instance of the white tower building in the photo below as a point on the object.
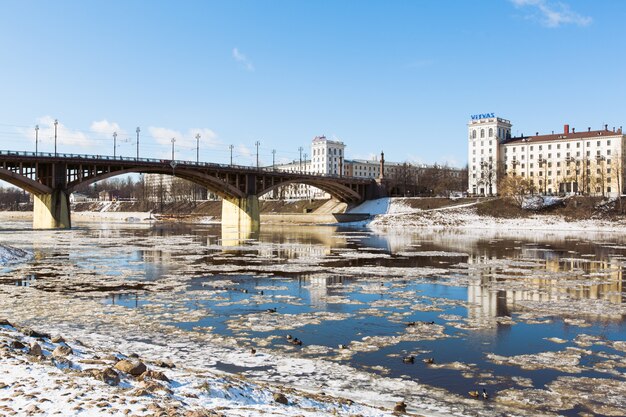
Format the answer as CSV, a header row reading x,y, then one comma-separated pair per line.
x,y
486,132
327,156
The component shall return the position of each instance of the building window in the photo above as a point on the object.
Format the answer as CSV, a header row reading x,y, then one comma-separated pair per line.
x,y
608,142
549,147
490,132
608,152
473,134
482,133
598,143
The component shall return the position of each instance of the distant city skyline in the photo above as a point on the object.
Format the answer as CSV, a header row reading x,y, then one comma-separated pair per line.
x,y
403,77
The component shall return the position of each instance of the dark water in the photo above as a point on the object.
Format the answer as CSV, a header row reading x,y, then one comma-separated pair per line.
x,y
577,257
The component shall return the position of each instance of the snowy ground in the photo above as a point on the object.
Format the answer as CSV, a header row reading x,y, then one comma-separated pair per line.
x,y
399,216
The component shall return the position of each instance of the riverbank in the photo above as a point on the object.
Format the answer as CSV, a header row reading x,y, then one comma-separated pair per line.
x,y
471,216
44,374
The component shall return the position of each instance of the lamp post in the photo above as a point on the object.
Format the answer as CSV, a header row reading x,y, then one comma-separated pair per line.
x,y
138,130
173,141
231,154
56,123
197,148
257,143
273,159
300,149
36,138
114,143
304,170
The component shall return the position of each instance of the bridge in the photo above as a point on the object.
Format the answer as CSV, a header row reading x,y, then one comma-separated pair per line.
x,y
51,178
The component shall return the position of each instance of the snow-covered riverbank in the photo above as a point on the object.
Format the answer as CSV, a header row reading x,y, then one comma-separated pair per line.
x,y
400,216
41,374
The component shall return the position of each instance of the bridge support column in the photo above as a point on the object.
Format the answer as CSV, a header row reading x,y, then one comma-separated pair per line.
x,y
51,211
240,217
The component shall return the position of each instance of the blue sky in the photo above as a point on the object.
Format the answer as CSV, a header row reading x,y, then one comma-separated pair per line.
x,y
398,76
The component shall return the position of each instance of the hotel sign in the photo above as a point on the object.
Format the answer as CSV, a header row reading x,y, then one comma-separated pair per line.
x,y
483,116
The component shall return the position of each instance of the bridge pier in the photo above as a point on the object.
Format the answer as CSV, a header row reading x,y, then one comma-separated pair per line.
x,y
241,215
51,211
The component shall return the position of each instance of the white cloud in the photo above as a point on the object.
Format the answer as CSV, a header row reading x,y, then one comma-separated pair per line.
x,y
105,127
244,151
208,138
242,59
552,14
163,135
65,136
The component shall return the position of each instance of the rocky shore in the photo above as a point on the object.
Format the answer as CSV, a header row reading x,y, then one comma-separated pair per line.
x,y
44,374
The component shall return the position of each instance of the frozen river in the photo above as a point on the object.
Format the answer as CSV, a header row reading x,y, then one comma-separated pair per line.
x,y
536,319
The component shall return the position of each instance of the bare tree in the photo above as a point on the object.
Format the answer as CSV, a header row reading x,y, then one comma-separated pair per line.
x,y
515,188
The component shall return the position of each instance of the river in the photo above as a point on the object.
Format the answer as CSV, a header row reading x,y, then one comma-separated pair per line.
x,y
511,312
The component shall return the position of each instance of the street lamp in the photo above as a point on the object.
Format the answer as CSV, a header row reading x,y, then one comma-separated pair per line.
x,y
173,141
138,130
114,143
300,149
36,138
257,143
197,147
231,154
56,123
273,159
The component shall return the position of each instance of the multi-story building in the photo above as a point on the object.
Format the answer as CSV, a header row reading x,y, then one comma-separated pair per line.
x,y
486,135
588,162
327,156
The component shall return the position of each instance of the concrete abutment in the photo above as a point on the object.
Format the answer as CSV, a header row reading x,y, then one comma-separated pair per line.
x,y
52,211
240,216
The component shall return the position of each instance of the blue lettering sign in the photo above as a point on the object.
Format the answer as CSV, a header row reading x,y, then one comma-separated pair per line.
x,y
482,116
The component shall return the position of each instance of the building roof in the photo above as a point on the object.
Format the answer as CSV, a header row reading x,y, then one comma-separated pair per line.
x,y
565,135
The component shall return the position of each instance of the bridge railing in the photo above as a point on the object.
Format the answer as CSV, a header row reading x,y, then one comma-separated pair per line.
x,y
172,163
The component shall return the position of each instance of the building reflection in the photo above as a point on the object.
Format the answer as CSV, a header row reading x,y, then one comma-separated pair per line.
x,y
319,290
553,278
